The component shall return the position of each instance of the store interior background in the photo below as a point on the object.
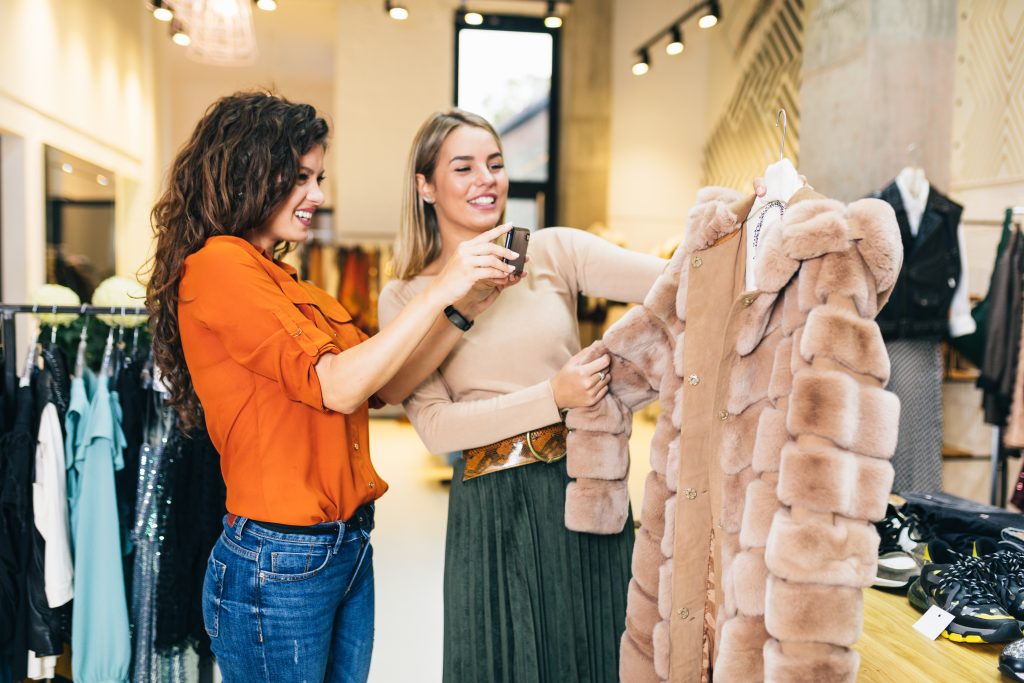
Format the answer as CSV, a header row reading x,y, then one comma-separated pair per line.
x,y
100,82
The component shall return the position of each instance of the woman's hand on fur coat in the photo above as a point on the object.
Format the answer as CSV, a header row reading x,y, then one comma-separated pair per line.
x,y
581,382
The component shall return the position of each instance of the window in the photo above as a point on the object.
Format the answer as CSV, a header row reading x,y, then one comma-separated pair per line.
x,y
507,70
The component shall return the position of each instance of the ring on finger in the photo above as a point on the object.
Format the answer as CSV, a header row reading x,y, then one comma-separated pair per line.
x,y
601,375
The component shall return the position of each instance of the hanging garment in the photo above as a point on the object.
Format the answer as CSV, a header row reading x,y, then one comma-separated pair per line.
x,y
1013,435
134,399
50,505
50,576
194,520
354,291
75,425
1002,336
50,573
146,536
17,447
100,645
777,439
932,271
972,346
928,303
916,379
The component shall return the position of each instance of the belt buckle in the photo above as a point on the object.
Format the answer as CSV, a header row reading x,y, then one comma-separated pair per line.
x,y
542,458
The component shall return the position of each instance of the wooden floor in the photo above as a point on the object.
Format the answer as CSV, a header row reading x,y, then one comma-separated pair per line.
x,y
892,651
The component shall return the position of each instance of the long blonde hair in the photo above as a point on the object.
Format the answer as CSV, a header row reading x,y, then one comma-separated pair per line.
x,y
419,236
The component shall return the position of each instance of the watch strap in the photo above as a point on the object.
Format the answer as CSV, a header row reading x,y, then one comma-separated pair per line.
x,y
460,321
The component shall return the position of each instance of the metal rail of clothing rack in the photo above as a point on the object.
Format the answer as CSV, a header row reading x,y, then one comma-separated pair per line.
x,y
1000,474
8,311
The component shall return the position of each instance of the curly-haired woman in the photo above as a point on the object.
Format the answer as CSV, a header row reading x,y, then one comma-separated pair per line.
x,y
283,379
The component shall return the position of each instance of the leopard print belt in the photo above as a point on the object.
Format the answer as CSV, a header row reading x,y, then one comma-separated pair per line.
x,y
546,444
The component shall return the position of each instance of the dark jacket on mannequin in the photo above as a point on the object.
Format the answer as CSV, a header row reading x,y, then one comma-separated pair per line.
x,y
919,306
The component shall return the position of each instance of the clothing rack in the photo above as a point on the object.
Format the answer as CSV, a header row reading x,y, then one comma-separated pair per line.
x,y
8,311
1000,473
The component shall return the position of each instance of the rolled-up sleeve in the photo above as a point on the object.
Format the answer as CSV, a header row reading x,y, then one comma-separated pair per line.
x,y
227,292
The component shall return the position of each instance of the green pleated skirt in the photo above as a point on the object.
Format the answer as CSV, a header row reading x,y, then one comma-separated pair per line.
x,y
525,599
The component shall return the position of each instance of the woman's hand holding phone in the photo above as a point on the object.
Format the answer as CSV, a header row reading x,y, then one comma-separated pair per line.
x,y
475,270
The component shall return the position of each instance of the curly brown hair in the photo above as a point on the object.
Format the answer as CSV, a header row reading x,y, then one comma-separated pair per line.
x,y
235,171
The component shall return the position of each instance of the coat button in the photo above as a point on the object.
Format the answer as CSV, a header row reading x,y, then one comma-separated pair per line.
x,y
747,301
356,445
698,262
952,283
694,380
683,613
690,494
723,415
372,485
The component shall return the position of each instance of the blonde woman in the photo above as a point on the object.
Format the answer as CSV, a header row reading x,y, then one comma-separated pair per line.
x,y
525,599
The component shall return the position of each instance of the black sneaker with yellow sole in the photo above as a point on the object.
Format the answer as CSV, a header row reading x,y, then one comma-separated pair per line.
x,y
964,589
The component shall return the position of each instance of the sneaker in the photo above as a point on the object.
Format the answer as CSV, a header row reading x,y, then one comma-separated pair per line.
x,y
896,567
1011,660
934,558
964,589
1013,539
1006,573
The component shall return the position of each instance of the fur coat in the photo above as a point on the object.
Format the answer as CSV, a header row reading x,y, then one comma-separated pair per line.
x,y
771,456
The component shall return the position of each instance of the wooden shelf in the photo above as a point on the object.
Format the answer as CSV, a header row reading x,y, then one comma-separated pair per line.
x,y
891,650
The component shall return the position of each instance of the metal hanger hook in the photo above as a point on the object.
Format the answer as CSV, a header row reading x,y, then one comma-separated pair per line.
x,y
53,327
782,145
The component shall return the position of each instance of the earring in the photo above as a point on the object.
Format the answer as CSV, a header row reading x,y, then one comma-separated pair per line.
x,y
428,200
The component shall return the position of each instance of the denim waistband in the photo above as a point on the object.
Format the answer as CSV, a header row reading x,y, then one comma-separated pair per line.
x,y
361,520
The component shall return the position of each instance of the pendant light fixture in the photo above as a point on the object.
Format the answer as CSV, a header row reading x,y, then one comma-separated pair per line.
x,y
221,31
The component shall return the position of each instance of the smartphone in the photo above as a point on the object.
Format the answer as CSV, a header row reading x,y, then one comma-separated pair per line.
x,y
517,239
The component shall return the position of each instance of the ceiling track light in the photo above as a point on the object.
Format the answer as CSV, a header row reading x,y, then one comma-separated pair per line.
x,y
711,16
161,12
469,16
643,62
266,5
178,34
396,12
551,18
677,45
708,13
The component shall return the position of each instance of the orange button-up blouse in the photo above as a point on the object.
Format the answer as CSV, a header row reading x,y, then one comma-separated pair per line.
x,y
252,334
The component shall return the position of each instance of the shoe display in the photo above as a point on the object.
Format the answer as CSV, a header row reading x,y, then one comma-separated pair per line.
x,y
965,589
1006,573
900,539
1011,660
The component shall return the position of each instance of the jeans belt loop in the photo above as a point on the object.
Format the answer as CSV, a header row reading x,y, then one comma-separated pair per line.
x,y
341,537
239,525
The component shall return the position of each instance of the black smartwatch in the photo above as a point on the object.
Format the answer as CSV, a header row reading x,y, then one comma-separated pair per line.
x,y
458,319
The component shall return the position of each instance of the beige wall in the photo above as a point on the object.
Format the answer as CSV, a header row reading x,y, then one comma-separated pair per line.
x,y
76,75
387,86
661,121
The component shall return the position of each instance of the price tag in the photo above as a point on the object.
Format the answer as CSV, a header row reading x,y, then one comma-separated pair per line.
x,y
933,623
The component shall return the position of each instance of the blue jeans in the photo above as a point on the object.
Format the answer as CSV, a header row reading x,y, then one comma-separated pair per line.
x,y
282,607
